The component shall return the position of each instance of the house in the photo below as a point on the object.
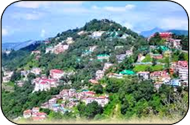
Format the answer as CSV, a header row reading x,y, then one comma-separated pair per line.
x,y
144,75
20,83
69,40
93,81
127,72
81,33
49,49
7,76
35,52
6,79
103,56
27,113
88,100
36,71
160,77
24,73
43,84
56,73
175,43
35,109
124,36
115,75
129,53
92,48
97,34
107,66
118,47
165,35
102,100
175,82
39,116
89,93
140,58
45,105
59,48
99,74
142,63
182,64
156,56
86,52
182,70
120,57
184,83
52,102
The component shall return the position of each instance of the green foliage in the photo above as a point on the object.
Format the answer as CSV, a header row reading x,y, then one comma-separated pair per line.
x,y
16,76
90,110
98,89
147,58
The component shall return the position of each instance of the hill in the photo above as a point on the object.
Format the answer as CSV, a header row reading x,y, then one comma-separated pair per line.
x,y
179,32
16,45
150,32
174,31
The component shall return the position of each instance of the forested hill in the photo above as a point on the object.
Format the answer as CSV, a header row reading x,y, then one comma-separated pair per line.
x,y
111,37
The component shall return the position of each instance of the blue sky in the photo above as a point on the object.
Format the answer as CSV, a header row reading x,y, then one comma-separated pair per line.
x,y
23,21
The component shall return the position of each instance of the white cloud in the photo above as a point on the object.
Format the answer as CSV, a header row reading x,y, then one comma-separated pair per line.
x,y
43,32
174,23
95,7
4,32
119,9
35,5
128,25
27,16
129,6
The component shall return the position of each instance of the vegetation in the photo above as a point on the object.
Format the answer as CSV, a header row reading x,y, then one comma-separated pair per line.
x,y
128,97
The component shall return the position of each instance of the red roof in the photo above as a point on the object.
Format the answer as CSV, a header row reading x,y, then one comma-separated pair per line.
x,y
182,63
27,111
90,92
40,113
159,73
56,71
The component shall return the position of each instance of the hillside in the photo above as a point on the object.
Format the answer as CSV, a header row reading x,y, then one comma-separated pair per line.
x,y
99,71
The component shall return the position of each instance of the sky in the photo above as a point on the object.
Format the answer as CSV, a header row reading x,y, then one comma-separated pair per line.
x,y
24,21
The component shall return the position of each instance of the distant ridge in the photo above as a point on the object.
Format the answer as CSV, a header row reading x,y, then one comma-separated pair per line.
x,y
179,32
150,32
17,46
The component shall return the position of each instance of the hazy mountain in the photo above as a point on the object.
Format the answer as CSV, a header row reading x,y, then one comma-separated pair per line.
x,y
16,46
150,32
179,32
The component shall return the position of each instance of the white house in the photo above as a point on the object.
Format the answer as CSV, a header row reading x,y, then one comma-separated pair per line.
x,y
36,71
107,66
56,73
27,113
99,74
144,75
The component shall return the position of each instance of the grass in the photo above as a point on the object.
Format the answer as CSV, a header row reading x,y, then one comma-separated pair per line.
x,y
144,120
145,68
147,58
186,56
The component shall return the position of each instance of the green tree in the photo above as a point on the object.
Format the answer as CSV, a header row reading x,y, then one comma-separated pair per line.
x,y
98,89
